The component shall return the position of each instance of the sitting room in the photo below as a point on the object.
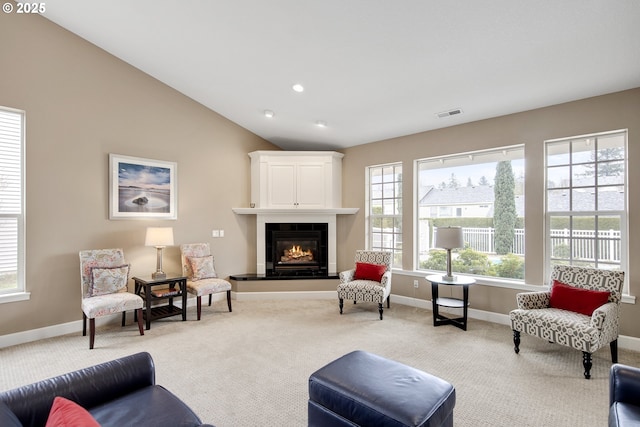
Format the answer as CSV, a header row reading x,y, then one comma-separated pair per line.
x,y
279,141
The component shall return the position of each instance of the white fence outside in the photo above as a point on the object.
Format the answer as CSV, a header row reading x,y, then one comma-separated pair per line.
x,y
581,242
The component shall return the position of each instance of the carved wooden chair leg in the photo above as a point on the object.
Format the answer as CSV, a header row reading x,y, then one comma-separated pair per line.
x,y
586,362
341,303
92,332
138,314
516,341
380,309
614,351
229,301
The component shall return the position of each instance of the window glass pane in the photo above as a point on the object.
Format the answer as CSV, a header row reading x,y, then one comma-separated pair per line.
x,y
558,200
611,198
482,192
583,175
558,176
583,199
611,173
582,150
558,153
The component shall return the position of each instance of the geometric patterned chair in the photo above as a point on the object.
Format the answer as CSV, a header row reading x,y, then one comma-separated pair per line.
x,y
198,267
538,313
104,276
369,281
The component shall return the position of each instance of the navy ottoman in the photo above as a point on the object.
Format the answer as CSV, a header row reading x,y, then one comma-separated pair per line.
x,y
363,389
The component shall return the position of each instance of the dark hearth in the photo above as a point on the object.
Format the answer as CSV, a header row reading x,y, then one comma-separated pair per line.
x,y
296,249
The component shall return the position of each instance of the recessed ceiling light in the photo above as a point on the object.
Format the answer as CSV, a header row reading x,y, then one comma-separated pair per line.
x,y
269,113
298,87
321,123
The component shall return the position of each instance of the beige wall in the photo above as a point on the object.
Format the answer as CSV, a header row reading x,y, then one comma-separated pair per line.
x,y
82,104
531,128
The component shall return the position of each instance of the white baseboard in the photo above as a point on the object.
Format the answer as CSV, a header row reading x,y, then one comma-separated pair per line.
x,y
624,342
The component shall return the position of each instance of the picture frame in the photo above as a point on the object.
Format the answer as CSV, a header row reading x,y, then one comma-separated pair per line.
x,y
142,188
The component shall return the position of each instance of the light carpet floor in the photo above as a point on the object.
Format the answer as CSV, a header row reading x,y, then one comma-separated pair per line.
x,y
251,367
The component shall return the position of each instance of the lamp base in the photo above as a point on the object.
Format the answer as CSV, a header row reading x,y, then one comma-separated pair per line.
x,y
159,275
448,278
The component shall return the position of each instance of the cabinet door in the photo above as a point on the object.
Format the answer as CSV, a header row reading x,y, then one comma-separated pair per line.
x,y
282,185
311,185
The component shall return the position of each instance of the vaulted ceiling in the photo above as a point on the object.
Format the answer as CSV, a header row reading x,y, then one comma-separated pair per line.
x,y
371,69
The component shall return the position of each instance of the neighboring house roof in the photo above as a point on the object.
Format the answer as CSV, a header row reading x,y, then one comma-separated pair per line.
x,y
481,194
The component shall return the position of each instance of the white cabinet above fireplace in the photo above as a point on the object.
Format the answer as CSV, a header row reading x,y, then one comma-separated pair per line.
x,y
296,179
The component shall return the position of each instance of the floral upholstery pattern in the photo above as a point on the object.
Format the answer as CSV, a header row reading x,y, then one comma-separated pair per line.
x,y
101,305
366,290
202,267
190,253
581,332
108,280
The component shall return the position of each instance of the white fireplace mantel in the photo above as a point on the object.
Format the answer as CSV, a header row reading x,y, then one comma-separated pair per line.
x,y
273,215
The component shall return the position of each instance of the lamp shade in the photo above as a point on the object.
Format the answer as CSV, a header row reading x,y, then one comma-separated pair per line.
x,y
449,237
159,236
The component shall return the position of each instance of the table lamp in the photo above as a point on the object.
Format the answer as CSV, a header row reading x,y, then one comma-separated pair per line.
x,y
159,237
449,238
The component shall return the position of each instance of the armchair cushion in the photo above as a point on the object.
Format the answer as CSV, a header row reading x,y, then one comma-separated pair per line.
x,y
583,301
366,271
108,280
67,413
202,267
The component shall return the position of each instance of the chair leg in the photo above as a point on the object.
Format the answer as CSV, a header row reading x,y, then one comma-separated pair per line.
x,y
228,300
84,324
516,341
389,301
199,304
124,318
380,309
586,362
614,351
139,316
210,295
92,332
340,303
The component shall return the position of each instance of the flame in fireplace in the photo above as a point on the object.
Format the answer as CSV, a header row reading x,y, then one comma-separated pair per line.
x,y
297,252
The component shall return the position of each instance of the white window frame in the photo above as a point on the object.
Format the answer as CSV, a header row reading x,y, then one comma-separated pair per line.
x,y
622,214
19,292
397,218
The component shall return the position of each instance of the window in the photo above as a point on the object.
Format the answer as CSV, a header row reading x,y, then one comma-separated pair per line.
x,y
586,203
11,201
482,192
384,210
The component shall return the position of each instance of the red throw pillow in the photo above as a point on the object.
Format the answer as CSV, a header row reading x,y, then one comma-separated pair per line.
x,y
583,301
365,271
66,413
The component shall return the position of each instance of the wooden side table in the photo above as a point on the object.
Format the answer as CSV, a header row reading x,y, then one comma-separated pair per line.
x,y
144,288
439,319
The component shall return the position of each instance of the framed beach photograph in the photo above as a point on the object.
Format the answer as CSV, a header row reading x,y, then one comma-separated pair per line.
x,y
142,188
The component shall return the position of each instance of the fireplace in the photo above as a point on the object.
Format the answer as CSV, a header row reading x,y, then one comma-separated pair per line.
x,y
296,249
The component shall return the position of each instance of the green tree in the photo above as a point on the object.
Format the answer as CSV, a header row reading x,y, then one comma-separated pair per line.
x,y
453,181
511,266
504,214
483,180
472,262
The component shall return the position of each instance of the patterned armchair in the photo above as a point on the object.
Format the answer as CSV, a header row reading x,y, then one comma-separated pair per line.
x,y
370,281
202,279
587,333
104,276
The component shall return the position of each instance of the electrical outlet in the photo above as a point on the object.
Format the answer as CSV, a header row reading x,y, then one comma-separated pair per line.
x,y
221,233
416,284
215,233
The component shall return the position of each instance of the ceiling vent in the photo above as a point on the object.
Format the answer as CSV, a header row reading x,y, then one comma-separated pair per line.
x,y
449,113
